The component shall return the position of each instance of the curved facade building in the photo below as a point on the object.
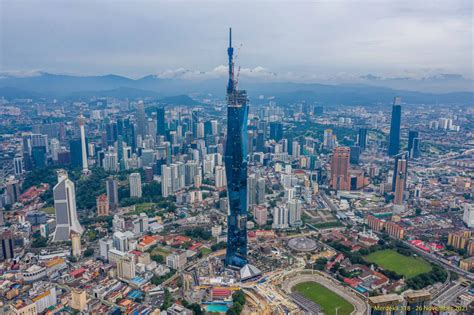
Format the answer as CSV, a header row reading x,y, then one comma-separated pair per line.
x,y
235,159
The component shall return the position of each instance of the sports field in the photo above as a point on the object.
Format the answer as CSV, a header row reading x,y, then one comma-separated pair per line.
x,y
407,266
328,300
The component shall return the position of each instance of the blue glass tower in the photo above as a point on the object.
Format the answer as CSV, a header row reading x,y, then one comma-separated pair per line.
x,y
394,139
235,159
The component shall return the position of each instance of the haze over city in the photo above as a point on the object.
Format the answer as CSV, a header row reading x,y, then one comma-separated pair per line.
x,y
304,41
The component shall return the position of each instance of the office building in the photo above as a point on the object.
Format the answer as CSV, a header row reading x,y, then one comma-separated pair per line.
x,y
340,179
126,267
362,139
276,131
38,155
400,181
354,155
112,193
65,208
75,148
120,241
413,144
160,121
7,245
105,244
12,187
141,120
177,260
18,165
81,121
394,138
135,185
235,159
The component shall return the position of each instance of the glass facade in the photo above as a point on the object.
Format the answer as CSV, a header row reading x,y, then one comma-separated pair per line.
x,y
235,159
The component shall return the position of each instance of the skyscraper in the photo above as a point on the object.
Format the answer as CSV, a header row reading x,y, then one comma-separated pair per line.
x,y
413,144
65,207
340,169
235,159
394,140
135,185
400,180
75,147
276,131
6,245
141,120
81,120
112,193
404,156
362,140
160,121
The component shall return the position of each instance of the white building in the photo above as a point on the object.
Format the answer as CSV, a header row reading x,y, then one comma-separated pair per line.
x,y
220,179
176,260
294,209
126,268
65,208
135,185
280,218
105,244
468,216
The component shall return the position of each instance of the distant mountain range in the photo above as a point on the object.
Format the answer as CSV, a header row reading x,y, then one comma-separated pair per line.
x,y
174,91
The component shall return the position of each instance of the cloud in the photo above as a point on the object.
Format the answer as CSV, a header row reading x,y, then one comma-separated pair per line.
x,y
281,39
219,71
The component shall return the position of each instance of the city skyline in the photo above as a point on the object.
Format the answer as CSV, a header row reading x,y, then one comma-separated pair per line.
x,y
233,191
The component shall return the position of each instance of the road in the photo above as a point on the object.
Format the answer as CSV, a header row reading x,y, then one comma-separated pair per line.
x,y
433,258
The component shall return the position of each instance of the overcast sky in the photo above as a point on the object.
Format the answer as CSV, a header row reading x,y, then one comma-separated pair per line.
x,y
294,39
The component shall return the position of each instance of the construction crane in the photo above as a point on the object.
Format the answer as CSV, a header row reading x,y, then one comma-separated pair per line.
x,y
238,69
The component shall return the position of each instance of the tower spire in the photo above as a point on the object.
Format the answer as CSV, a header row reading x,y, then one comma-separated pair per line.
x,y
230,53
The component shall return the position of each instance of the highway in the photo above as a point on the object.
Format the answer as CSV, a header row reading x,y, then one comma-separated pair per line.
x,y
433,258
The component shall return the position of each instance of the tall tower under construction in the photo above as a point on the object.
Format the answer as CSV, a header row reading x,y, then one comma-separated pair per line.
x,y
235,159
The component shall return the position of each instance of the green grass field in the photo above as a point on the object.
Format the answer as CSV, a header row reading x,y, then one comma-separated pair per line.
x,y
144,206
324,297
407,266
160,251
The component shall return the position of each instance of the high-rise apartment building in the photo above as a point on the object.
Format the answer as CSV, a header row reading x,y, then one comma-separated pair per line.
x,y
135,185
